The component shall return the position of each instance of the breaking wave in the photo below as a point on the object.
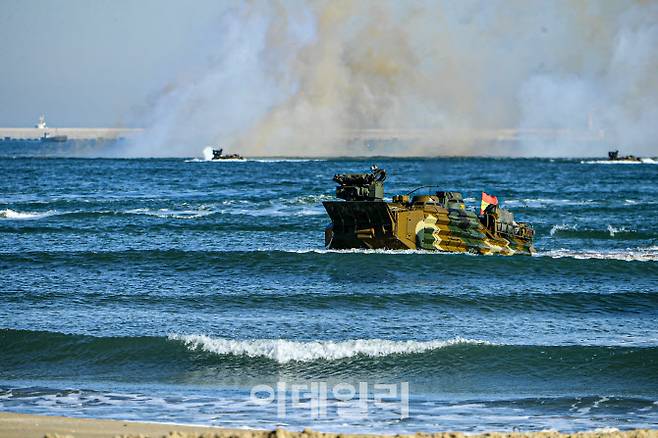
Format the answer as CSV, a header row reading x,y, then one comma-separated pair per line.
x,y
159,358
295,207
284,351
173,214
286,160
564,227
610,232
628,254
547,202
253,160
353,263
17,215
648,254
642,161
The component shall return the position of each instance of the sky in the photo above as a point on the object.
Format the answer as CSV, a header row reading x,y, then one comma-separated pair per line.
x,y
92,63
298,77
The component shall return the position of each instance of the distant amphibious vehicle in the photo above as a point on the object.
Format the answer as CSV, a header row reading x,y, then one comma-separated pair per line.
x,y
212,154
438,221
614,156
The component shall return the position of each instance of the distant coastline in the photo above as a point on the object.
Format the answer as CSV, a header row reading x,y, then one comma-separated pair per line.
x,y
507,135
17,134
41,130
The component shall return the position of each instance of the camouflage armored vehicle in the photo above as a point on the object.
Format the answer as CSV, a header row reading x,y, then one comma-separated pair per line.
x,y
614,156
218,154
437,221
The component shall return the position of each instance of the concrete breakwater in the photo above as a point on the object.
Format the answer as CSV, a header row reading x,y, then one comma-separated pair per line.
x,y
9,134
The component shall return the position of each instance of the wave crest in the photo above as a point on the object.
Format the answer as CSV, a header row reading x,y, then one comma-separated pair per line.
x,y
642,161
648,254
12,214
166,213
284,351
563,227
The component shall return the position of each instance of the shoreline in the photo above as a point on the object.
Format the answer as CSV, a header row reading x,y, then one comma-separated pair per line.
x,y
14,425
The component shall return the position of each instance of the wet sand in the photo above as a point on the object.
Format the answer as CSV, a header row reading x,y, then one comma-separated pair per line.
x,y
39,426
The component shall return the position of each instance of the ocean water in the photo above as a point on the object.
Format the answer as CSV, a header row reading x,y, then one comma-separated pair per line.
x,y
166,289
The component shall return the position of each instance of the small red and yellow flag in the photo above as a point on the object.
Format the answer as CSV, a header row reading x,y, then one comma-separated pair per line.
x,y
487,200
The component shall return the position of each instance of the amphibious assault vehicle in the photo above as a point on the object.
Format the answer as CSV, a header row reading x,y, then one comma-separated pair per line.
x,y
438,221
218,154
614,156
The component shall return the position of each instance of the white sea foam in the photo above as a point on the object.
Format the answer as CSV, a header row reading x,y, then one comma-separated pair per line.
x,y
228,160
310,199
256,160
612,230
291,208
276,211
546,202
642,161
17,215
208,153
648,254
562,227
167,213
286,160
604,430
391,252
284,351
603,399
630,254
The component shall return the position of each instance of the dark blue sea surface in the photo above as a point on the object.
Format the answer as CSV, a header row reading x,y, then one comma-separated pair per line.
x,y
165,289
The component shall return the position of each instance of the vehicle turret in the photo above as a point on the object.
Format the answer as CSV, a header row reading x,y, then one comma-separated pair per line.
x,y
361,186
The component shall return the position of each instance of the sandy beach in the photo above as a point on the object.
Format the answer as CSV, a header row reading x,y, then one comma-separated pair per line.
x,y
14,425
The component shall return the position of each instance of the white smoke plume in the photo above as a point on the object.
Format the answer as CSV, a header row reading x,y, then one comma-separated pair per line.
x,y
507,77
